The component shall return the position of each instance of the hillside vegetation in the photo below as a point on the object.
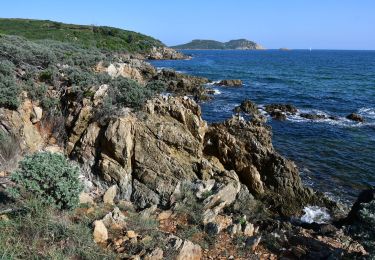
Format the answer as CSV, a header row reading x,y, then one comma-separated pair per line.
x,y
102,37
241,44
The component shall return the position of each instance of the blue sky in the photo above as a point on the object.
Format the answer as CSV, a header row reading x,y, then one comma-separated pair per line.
x,y
319,24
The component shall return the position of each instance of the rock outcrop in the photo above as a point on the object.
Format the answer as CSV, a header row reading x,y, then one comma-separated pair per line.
x,y
164,53
231,83
246,148
182,83
149,152
355,117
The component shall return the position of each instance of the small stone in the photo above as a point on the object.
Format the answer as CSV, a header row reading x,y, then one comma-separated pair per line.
x,y
4,218
100,232
131,234
36,115
85,198
248,230
164,215
110,195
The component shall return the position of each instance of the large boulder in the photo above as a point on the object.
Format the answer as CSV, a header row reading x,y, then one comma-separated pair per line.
x,y
246,148
247,106
146,153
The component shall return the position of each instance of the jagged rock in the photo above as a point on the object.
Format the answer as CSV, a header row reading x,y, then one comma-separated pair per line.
x,y
253,242
278,115
19,124
100,232
36,114
203,187
164,53
130,68
110,195
146,213
231,83
286,108
247,106
248,230
182,83
221,222
144,197
361,220
189,251
100,94
313,116
355,117
85,198
223,197
235,229
115,219
245,147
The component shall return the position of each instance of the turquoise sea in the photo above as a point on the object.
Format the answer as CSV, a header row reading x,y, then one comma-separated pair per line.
x,y
334,156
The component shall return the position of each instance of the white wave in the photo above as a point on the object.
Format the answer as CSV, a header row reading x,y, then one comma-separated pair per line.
x,y
216,91
213,83
367,112
336,121
315,214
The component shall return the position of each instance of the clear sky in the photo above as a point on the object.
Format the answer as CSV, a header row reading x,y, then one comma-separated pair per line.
x,y
319,24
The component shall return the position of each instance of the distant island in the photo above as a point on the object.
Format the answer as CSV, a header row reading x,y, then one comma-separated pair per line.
x,y
241,44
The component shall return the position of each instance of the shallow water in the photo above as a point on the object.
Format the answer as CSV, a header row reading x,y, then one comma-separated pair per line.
x,y
334,156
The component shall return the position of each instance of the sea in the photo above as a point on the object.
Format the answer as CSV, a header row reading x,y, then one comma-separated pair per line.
x,y
337,156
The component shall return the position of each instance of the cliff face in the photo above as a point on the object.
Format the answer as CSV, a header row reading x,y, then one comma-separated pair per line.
x,y
241,44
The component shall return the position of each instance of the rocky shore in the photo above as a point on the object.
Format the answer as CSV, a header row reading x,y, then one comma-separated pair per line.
x,y
217,191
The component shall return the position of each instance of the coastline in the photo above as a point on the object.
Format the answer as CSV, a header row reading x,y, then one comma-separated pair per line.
x,y
161,161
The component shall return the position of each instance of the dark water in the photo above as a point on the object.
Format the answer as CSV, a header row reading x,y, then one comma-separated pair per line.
x,y
336,157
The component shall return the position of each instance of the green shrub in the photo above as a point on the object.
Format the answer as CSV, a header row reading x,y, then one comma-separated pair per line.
x,y
156,86
49,75
79,77
7,68
9,92
20,51
50,178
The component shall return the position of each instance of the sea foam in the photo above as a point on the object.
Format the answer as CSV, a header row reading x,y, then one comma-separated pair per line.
x,y
315,214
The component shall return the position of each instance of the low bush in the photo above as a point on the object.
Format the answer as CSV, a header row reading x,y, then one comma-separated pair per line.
x,y
9,92
7,68
20,51
50,178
